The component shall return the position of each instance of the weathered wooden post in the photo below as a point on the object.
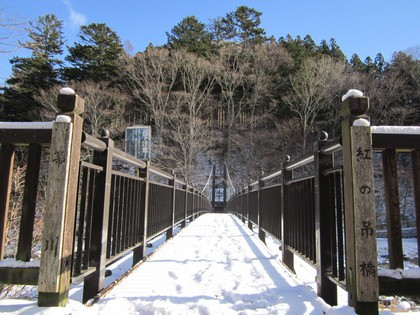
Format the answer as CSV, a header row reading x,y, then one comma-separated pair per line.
x,y
393,216
327,290
287,255
60,208
261,233
361,252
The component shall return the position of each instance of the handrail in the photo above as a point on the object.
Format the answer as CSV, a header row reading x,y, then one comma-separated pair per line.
x,y
331,146
303,160
92,142
123,156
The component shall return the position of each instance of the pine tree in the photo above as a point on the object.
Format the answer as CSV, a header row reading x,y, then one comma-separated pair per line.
x,y
95,56
242,26
357,64
37,72
191,35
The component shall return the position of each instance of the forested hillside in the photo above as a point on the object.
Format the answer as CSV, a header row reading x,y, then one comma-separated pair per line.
x,y
223,91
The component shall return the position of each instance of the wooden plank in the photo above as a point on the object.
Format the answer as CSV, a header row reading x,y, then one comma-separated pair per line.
x,y
392,200
23,137
27,219
14,275
58,172
404,286
7,155
404,142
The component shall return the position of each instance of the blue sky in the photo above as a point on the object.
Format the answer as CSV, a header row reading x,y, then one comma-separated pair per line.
x,y
365,27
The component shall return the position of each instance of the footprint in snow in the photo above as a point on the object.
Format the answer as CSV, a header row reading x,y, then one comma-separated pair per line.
x,y
172,275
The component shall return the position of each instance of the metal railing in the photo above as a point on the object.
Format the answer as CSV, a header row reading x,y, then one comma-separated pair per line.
x,y
97,210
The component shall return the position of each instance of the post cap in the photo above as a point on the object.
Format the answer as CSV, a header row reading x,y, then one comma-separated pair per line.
x,y
355,106
70,103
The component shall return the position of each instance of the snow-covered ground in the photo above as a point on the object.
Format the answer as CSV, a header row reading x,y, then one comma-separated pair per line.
x,y
214,266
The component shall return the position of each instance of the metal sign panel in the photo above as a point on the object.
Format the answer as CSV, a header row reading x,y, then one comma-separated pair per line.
x,y
138,141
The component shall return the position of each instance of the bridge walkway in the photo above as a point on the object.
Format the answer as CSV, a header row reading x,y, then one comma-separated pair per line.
x,y
214,266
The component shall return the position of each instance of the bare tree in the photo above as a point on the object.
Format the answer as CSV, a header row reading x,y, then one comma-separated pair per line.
x,y
186,129
104,105
10,29
234,92
312,88
150,78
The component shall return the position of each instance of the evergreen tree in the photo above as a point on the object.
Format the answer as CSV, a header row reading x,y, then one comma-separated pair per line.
x,y
336,52
242,26
95,56
369,65
357,64
38,72
191,35
380,63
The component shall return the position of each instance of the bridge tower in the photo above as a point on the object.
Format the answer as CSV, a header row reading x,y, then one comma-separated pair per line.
x,y
219,187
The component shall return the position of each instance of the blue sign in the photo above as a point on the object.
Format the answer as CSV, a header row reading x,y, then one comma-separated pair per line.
x,y
138,141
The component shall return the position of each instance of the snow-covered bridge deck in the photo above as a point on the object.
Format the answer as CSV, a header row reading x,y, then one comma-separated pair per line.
x,y
214,266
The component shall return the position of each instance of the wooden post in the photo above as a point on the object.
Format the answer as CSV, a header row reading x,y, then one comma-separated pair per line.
x,y
52,241
326,289
360,217
94,282
261,233
7,156
415,158
393,217
57,243
287,255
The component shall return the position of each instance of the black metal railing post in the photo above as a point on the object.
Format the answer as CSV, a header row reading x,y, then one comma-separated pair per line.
x,y
324,221
97,257
261,233
287,255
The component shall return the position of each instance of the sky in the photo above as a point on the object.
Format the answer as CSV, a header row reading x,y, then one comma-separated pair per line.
x,y
216,265
359,26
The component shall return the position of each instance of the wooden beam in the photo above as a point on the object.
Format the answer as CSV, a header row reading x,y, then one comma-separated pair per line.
x,y
7,155
393,216
14,275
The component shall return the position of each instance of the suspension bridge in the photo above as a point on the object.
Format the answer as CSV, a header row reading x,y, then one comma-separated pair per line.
x,y
320,207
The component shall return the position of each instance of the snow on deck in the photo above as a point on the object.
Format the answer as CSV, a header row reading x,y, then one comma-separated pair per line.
x,y
214,266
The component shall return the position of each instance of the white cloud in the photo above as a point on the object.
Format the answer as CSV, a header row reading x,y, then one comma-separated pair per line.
x,y
76,18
